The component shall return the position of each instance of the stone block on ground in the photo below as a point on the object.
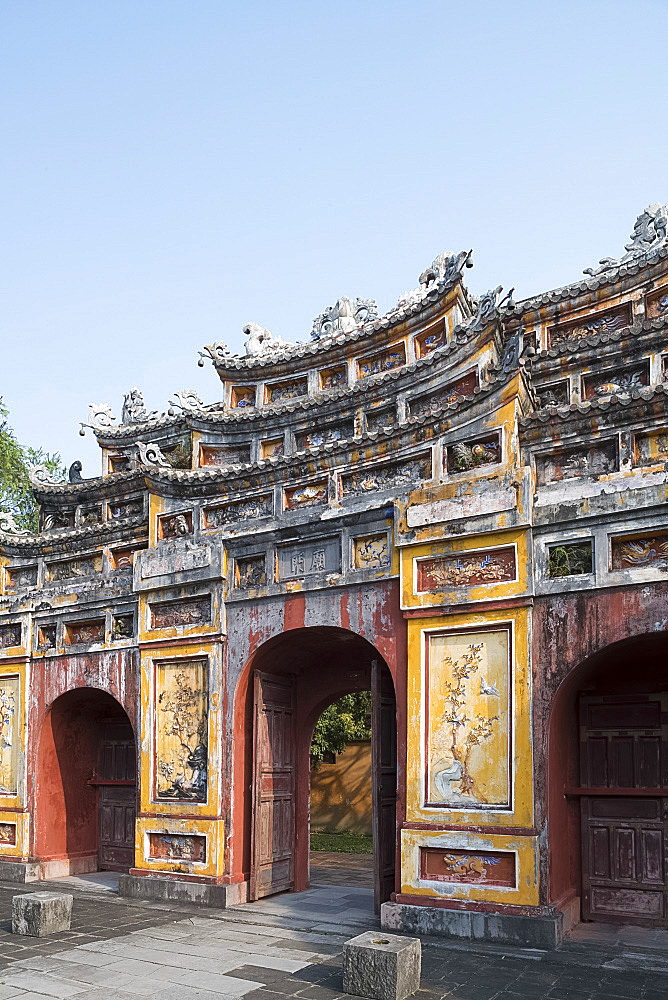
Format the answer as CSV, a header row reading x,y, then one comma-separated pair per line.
x,y
38,914
381,966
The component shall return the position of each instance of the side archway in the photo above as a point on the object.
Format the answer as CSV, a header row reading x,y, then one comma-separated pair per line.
x,y
85,786
607,784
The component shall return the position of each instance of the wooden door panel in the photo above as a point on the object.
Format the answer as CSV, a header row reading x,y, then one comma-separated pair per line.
x,y
274,760
383,781
624,745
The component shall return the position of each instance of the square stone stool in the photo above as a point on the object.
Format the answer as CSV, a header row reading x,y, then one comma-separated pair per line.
x,y
41,913
381,966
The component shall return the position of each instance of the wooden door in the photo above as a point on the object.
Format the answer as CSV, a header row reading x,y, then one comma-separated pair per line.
x,y
274,758
117,794
383,781
624,809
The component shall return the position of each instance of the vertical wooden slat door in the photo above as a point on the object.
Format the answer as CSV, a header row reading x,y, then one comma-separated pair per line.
x,y
624,767
383,781
274,759
117,798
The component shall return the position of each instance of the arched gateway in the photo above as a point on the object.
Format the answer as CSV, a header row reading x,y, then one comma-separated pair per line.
x,y
460,505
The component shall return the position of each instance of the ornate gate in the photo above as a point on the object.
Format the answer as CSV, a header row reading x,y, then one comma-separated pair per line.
x,y
624,808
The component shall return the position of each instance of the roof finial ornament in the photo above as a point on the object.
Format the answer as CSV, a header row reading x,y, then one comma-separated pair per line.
x,y
100,418
74,472
8,525
650,232
344,317
186,400
261,341
442,271
487,306
134,411
40,475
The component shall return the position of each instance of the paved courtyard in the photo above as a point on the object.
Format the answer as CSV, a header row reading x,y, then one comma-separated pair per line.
x,y
290,946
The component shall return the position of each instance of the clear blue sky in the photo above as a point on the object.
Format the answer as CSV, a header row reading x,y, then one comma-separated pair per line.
x,y
174,169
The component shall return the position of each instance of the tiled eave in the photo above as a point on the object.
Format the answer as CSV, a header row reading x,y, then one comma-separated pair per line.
x,y
413,435
64,540
115,486
588,349
112,437
645,267
326,350
640,407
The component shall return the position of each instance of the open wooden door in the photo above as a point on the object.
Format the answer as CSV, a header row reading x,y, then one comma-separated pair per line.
x,y
383,781
274,758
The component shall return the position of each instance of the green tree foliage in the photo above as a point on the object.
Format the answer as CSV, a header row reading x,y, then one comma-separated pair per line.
x,y
343,722
16,495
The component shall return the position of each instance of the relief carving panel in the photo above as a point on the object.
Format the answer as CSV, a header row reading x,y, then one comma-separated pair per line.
x,y
312,495
590,326
10,635
638,552
224,514
451,393
470,867
223,455
466,455
324,435
616,383
598,460
174,614
371,551
383,361
466,569
20,578
69,569
177,847
657,303
250,573
281,392
383,477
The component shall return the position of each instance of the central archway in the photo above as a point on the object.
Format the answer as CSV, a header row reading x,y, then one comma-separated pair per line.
x,y
284,688
86,786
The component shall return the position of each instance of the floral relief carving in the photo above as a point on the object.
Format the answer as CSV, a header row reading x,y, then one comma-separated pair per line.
x,y
281,391
464,456
385,361
388,476
468,687
225,514
371,552
181,727
9,735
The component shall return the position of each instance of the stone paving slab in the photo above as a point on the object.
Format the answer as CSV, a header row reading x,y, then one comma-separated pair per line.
x,y
125,950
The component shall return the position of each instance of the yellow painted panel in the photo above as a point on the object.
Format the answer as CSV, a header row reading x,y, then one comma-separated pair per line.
x,y
485,554
502,758
524,891
185,846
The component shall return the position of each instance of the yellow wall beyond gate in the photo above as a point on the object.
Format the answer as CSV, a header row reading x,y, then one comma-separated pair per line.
x,y
341,792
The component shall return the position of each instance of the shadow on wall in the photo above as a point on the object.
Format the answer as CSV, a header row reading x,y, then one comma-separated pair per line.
x,y
341,792
66,806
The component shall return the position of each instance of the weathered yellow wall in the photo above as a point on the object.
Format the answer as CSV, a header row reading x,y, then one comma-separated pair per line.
x,y
341,792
